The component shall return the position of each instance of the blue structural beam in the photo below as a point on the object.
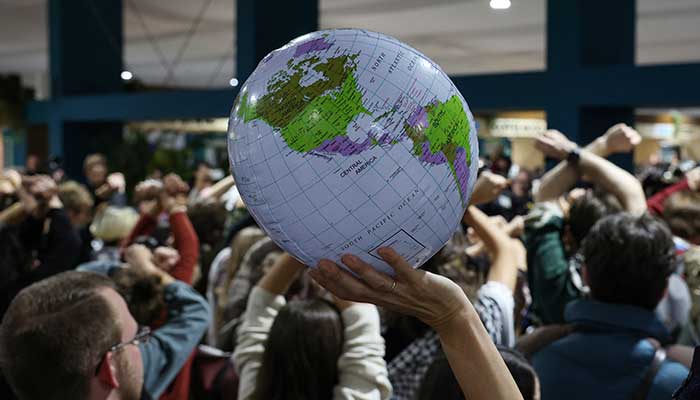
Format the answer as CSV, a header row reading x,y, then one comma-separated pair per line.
x,y
85,58
184,104
582,42
85,46
265,25
613,86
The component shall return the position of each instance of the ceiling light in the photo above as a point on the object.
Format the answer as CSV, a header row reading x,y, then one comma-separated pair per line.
x,y
127,75
233,82
500,4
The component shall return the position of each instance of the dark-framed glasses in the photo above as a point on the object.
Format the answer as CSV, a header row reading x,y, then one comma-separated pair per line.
x,y
142,336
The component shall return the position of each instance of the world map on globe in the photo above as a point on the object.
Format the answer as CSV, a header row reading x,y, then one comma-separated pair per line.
x,y
346,141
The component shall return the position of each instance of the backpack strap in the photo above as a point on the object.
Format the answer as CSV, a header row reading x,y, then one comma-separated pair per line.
x,y
642,390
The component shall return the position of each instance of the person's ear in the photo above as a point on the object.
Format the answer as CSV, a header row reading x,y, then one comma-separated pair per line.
x,y
108,371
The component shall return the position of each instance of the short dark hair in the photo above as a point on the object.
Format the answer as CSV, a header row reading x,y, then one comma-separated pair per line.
x,y
523,372
302,352
208,219
439,381
682,213
628,259
55,332
589,209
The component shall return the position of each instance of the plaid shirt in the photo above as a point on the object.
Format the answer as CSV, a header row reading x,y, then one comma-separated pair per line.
x,y
495,308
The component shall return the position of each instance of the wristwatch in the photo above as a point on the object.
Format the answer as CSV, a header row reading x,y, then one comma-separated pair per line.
x,y
574,156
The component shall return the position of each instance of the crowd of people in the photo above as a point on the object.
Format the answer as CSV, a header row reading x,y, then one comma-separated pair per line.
x,y
582,282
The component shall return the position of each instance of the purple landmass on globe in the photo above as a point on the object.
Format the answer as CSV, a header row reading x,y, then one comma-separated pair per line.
x,y
462,171
419,118
344,145
312,45
437,158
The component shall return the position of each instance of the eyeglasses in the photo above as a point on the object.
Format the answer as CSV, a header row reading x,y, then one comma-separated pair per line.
x,y
142,336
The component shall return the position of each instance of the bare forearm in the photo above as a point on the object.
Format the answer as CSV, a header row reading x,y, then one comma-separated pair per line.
x,y
221,187
479,368
494,238
504,266
283,273
556,182
564,176
12,214
598,147
625,187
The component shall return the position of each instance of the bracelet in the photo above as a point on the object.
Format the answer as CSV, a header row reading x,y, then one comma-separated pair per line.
x,y
574,156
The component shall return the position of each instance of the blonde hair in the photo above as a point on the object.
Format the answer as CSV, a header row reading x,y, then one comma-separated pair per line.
x,y
75,197
114,223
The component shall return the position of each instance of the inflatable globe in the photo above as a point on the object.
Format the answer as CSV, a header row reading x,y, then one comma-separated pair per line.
x,y
346,141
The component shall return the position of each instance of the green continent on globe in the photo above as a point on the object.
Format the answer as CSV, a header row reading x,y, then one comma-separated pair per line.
x,y
308,115
444,138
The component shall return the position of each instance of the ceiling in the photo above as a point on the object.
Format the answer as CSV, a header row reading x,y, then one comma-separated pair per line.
x,y
463,36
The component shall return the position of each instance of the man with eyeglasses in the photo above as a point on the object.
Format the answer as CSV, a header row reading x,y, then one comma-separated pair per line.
x,y
72,336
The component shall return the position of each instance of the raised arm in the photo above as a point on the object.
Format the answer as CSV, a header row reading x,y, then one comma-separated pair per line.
x,y
171,344
219,188
264,302
438,302
185,237
620,138
623,185
487,188
506,252
282,275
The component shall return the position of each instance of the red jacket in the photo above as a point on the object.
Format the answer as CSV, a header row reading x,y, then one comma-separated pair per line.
x,y
187,245
186,242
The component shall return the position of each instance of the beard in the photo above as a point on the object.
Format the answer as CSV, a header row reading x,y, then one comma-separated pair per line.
x,y
130,384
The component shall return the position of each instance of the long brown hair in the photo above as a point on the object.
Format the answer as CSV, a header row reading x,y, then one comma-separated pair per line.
x,y
301,352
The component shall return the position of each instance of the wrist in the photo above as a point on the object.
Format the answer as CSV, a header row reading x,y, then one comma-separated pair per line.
x,y
455,321
177,209
573,157
599,147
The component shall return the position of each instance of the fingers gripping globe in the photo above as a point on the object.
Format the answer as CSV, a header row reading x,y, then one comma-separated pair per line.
x,y
345,141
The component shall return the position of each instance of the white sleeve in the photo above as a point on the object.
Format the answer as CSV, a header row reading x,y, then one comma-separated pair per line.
x,y
495,306
363,373
216,272
261,311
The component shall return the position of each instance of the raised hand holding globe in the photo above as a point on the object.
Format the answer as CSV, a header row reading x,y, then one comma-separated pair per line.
x,y
346,141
